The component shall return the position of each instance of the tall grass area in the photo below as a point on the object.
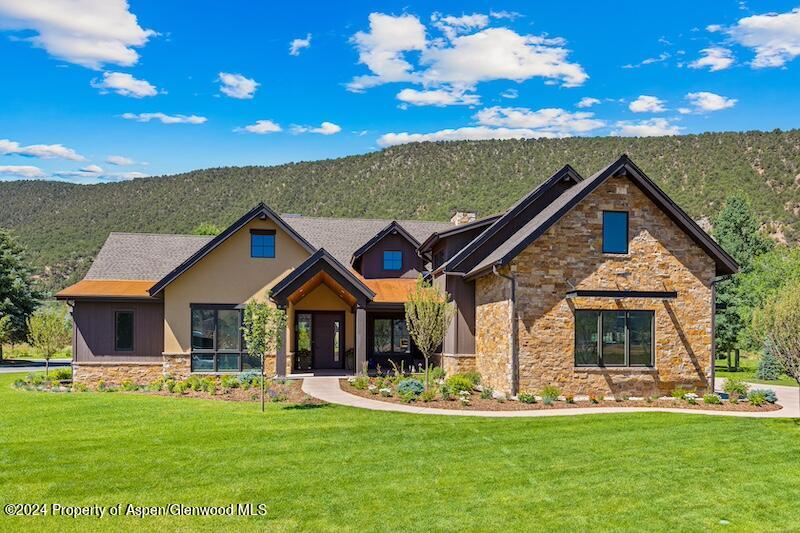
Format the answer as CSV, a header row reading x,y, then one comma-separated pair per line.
x,y
26,351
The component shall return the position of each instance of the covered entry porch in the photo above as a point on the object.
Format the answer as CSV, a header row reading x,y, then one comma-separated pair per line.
x,y
339,323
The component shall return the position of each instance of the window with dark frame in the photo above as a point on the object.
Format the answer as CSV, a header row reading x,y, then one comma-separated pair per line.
x,y
615,232
217,340
123,331
390,336
262,243
392,260
614,338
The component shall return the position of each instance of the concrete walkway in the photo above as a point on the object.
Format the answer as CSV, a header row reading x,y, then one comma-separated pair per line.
x,y
327,389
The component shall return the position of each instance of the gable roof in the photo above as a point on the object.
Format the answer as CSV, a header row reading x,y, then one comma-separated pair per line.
x,y
320,260
393,227
566,173
436,236
342,236
261,210
540,223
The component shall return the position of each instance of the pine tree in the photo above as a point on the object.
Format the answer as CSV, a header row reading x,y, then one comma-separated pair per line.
x,y
18,298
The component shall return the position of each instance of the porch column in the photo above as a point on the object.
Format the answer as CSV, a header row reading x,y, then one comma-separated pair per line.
x,y
280,356
361,338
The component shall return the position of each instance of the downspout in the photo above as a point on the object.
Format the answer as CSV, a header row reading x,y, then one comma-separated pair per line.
x,y
513,339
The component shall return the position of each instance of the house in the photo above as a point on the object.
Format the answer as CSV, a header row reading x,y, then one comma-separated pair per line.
x,y
598,285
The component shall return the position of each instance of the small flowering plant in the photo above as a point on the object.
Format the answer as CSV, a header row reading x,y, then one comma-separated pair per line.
x,y
691,398
373,389
386,392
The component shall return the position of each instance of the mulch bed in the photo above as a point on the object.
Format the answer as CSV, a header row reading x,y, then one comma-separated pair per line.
x,y
477,404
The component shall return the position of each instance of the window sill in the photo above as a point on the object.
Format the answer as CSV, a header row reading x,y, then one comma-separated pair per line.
x,y
616,369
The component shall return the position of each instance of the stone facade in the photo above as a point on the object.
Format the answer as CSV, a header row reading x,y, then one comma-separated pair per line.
x,y
569,256
115,373
493,331
456,363
177,365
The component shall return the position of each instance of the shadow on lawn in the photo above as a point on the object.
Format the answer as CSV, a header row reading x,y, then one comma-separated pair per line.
x,y
306,406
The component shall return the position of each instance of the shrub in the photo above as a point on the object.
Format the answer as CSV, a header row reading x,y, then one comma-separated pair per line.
x,y
181,387
486,393
408,396
679,393
277,395
526,397
229,382
769,368
428,395
129,385
769,395
101,385
194,383
691,398
19,383
712,399
251,378
595,399
445,392
459,382
736,388
79,387
474,377
169,385
437,373
35,379
61,374
361,382
410,386
549,394
569,399
386,392
756,398
210,385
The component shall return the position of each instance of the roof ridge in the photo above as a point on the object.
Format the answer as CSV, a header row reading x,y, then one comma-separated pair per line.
x,y
294,216
158,234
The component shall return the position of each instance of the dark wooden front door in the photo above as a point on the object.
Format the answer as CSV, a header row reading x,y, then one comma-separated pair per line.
x,y
327,334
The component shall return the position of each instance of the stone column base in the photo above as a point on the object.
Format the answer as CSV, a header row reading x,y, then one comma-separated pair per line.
x,y
140,373
457,363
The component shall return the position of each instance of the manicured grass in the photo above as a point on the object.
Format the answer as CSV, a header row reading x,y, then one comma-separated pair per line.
x,y
748,365
26,351
333,468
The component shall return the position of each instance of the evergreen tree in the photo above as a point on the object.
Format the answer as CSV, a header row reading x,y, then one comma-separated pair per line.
x,y
18,299
736,229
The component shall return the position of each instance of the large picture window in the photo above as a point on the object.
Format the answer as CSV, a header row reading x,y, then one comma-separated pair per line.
x,y
217,343
391,336
615,232
123,331
614,338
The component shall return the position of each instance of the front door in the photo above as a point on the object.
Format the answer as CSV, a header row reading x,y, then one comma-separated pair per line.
x,y
327,336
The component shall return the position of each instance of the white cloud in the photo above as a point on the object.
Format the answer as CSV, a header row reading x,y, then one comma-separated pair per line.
x,y
715,58
90,33
381,49
94,174
42,151
553,122
704,102
775,37
124,84
20,171
654,127
165,119
452,26
237,86
298,44
663,56
470,133
587,101
511,94
261,127
510,15
437,97
462,61
500,54
92,169
647,104
326,128
119,160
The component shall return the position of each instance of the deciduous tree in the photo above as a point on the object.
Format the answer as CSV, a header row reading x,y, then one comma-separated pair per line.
x,y
428,315
263,324
782,326
18,298
48,332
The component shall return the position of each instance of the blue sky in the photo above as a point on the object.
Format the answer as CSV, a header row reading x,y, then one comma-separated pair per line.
x,y
104,90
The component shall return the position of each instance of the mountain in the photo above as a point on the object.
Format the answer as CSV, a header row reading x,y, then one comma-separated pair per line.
x,y
63,225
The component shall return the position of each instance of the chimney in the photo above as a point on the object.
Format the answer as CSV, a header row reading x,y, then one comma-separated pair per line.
x,y
462,217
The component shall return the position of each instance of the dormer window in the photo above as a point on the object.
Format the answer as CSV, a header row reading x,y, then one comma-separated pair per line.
x,y
262,243
392,260
615,232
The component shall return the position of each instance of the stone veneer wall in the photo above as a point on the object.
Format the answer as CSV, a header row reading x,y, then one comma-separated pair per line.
x,y
456,363
115,373
493,331
661,257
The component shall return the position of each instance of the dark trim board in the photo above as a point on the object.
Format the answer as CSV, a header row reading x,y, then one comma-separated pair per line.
x,y
393,227
662,295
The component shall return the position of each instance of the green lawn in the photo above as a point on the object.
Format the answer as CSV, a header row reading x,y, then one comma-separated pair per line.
x,y
748,365
333,468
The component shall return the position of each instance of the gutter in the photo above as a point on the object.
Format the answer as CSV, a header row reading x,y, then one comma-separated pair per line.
x,y
514,326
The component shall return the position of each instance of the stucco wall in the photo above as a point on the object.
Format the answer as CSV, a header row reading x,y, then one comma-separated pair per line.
x,y
661,257
324,299
227,275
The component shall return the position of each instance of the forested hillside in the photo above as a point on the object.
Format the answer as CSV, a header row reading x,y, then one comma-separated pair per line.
x,y
63,225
